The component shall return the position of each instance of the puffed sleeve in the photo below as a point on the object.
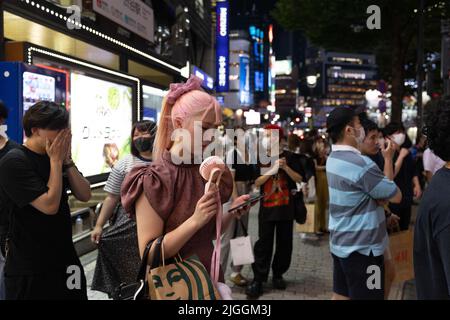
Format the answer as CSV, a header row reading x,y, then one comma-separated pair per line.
x,y
156,182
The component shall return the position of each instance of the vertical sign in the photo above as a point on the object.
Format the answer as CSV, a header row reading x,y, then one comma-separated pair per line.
x,y
222,47
244,80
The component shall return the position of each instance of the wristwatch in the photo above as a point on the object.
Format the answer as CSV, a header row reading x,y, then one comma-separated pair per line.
x,y
68,165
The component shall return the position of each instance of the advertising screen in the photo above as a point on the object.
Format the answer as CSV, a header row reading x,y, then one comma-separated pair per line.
x,y
101,120
40,83
37,87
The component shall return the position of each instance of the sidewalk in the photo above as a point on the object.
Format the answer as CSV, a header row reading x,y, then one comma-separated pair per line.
x,y
310,276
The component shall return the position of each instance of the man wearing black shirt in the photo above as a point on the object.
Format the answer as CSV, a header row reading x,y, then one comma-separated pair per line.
x,y
41,260
432,229
5,146
276,215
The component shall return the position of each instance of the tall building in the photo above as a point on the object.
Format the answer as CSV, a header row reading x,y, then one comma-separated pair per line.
x,y
339,79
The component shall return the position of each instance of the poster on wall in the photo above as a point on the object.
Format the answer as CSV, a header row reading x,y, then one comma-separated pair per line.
x,y
101,121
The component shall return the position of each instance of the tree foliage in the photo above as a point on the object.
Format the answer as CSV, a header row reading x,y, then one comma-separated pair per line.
x,y
340,25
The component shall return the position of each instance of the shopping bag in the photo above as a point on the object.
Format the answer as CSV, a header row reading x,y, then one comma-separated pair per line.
x,y
401,246
310,224
241,247
242,251
182,279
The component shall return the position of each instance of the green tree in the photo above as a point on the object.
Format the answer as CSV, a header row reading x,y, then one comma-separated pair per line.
x,y
340,25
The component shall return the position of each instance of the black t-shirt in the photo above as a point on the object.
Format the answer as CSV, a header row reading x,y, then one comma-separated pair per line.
x,y
39,243
276,205
378,159
404,181
10,144
243,172
432,240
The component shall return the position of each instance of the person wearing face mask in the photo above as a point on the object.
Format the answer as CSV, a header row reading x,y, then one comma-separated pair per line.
x,y
5,146
118,254
34,180
5,143
276,214
382,153
406,176
357,223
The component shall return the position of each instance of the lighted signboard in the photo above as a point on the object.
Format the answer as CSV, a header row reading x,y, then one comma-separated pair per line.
x,y
244,80
222,47
257,64
134,15
101,121
208,81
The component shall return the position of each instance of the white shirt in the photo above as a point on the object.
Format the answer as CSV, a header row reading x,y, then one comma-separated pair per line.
x,y
432,162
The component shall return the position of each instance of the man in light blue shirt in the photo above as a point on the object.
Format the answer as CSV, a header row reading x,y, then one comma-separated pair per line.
x,y
357,224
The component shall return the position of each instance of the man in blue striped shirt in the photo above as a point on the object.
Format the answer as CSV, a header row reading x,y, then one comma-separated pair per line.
x,y
357,224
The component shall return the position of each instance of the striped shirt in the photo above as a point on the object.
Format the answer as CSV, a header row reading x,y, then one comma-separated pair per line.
x,y
357,223
119,171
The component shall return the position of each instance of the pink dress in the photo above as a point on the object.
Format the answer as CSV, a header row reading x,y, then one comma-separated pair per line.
x,y
173,191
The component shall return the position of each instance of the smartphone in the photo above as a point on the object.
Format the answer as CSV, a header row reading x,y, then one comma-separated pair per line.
x,y
250,202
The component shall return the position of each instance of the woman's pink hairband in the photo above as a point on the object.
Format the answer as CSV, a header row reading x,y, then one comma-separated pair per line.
x,y
178,89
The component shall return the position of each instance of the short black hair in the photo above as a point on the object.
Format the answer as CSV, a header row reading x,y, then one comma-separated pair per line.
x,y
45,115
393,127
142,126
437,128
3,110
337,120
368,125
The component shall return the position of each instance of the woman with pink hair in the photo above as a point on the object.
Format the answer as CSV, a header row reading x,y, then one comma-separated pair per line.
x,y
167,197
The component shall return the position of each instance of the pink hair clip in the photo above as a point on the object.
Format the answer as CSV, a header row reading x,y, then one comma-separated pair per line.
x,y
178,89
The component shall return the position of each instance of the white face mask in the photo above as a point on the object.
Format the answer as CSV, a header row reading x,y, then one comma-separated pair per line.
x,y
398,138
361,135
3,129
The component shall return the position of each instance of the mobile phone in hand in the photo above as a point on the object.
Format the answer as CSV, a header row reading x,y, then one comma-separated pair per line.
x,y
249,202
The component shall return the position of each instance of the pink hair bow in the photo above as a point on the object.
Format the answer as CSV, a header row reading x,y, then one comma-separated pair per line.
x,y
178,89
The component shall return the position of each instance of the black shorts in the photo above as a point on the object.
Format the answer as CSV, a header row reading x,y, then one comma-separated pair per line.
x,y
359,277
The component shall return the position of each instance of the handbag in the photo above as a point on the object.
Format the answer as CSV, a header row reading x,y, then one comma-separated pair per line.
x,y
187,279
139,289
298,205
178,279
241,248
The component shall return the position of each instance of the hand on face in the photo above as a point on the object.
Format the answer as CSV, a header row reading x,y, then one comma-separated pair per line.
x,y
59,148
388,150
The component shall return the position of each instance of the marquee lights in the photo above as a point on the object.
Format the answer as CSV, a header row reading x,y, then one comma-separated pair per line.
x,y
91,66
101,35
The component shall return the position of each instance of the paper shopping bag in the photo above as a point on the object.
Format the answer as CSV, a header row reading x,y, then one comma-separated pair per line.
x,y
241,251
310,225
401,245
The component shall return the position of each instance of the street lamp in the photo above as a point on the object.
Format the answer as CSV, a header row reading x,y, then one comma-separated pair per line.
x,y
311,81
